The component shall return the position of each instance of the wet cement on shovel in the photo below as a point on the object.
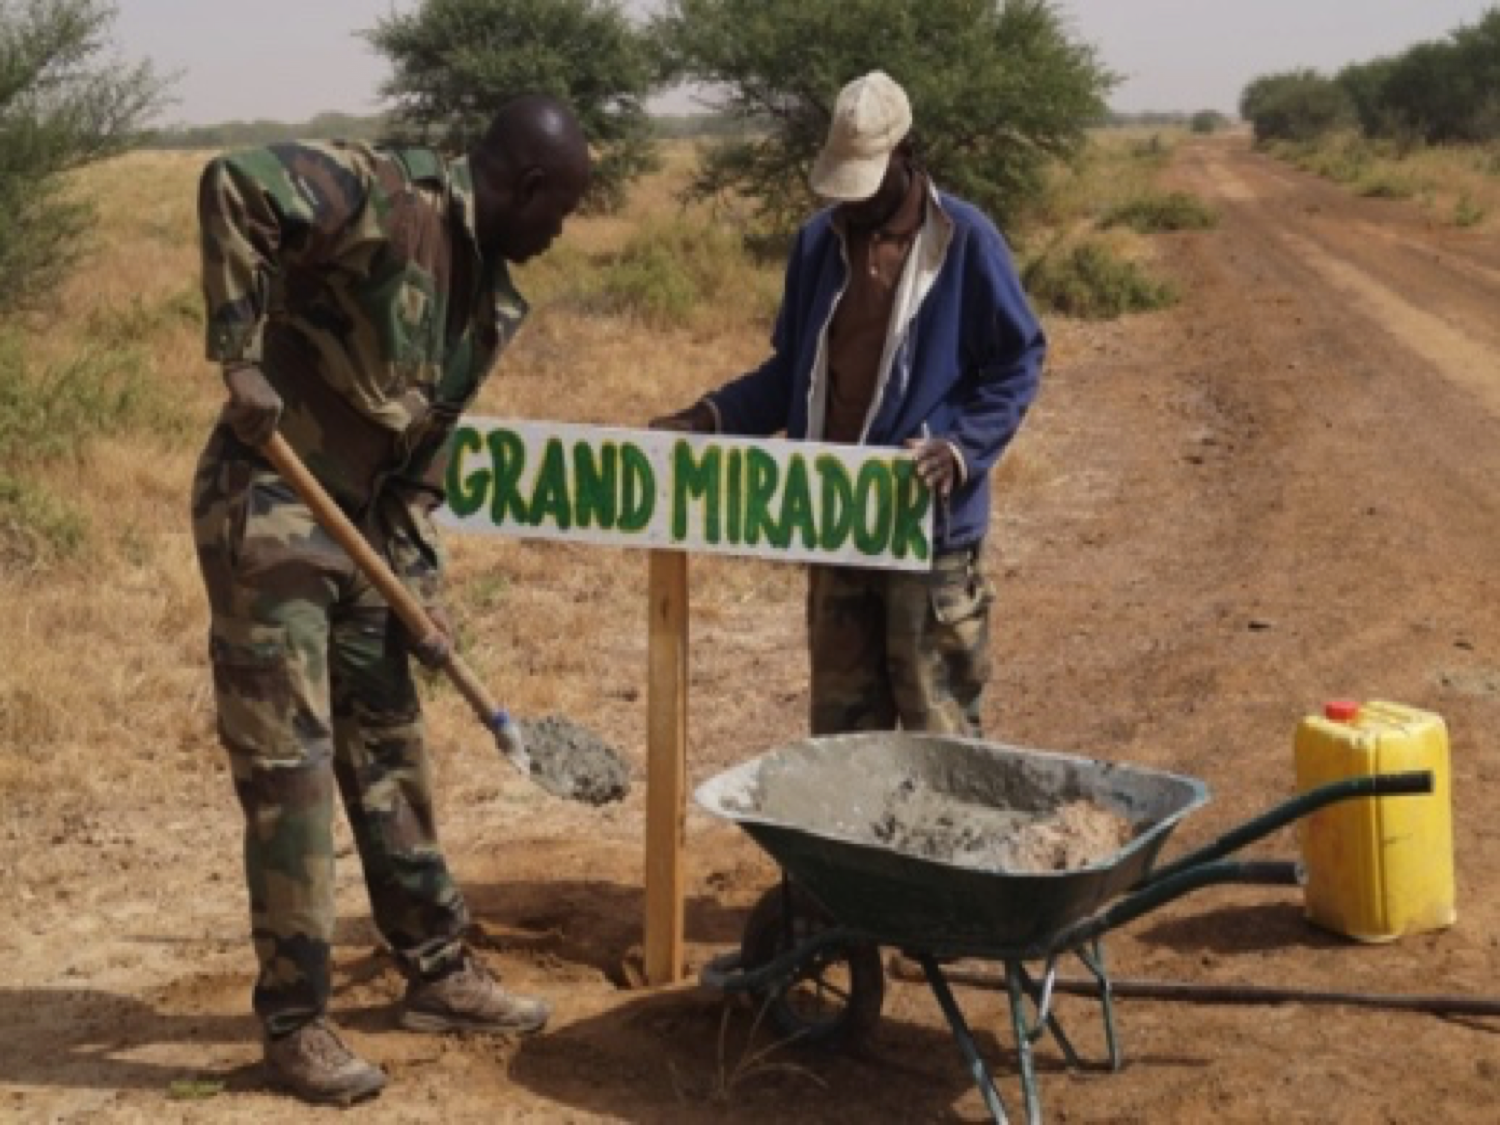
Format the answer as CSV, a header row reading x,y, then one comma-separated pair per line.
x,y
572,762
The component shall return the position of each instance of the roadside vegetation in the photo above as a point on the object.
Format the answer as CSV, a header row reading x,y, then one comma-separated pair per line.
x,y
1459,185
1421,125
64,106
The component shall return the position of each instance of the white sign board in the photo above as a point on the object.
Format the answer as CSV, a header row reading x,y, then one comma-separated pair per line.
x,y
795,501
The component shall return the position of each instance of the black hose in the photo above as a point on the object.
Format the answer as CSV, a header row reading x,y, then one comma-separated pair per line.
x,y
1193,993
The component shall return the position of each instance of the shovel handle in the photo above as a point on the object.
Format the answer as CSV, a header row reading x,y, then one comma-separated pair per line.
x,y
411,611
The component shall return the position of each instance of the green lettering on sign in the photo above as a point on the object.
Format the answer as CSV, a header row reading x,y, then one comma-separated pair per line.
x,y
872,505
595,484
732,499
466,491
759,491
637,490
737,495
797,506
695,479
837,496
550,496
508,453
908,537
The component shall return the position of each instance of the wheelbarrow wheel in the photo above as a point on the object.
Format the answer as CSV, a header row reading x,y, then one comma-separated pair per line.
x,y
832,996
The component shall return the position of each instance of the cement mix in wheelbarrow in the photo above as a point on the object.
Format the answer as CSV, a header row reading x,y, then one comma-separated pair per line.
x,y
955,808
920,821
572,762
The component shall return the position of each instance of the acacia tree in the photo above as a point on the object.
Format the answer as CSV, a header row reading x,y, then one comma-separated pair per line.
x,y
1298,105
455,61
999,88
64,102
1447,90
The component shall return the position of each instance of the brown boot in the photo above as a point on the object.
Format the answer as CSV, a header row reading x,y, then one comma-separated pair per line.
x,y
313,1063
470,999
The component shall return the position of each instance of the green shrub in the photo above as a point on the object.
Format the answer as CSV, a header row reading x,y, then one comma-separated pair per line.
x,y
1467,213
51,414
651,281
1300,105
65,102
1150,213
672,273
47,417
124,324
1386,185
1344,159
1092,282
36,526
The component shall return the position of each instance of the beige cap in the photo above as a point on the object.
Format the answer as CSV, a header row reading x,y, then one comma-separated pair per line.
x,y
870,119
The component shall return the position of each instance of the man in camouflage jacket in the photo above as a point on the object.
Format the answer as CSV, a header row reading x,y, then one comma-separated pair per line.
x,y
356,299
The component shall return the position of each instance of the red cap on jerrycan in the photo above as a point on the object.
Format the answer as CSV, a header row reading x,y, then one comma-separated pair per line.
x,y
1341,710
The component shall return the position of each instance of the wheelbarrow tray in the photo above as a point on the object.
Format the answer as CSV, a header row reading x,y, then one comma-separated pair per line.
x,y
810,806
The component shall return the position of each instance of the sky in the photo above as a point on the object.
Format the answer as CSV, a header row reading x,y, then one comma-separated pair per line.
x,y
288,60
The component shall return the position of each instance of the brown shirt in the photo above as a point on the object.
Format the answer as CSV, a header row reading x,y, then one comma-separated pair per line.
x,y
857,335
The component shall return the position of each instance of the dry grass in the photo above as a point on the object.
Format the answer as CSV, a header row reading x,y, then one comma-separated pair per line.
x,y
1457,186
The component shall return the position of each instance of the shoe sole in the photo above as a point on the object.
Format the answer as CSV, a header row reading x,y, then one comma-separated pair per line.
x,y
342,1100
436,1024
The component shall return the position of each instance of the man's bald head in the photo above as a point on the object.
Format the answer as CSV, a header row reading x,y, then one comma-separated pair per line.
x,y
531,170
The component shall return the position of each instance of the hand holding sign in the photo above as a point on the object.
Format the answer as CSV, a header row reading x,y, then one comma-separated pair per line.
x,y
696,419
937,465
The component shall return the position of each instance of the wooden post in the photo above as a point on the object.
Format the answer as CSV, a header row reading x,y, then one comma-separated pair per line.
x,y
666,766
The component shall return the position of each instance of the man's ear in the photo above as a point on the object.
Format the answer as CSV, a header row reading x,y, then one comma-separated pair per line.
x,y
529,185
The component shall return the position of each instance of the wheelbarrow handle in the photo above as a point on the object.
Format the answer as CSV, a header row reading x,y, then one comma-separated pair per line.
x,y
1207,867
1295,808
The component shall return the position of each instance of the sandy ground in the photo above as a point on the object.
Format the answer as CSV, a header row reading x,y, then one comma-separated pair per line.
x,y
1283,490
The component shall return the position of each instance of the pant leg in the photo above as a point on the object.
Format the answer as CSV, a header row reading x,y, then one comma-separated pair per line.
x,y
271,580
385,778
937,643
846,649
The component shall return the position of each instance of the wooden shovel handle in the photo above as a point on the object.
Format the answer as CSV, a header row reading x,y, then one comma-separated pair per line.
x,y
411,611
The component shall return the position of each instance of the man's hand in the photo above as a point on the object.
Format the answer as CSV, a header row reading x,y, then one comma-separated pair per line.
x,y
254,407
696,419
937,465
435,649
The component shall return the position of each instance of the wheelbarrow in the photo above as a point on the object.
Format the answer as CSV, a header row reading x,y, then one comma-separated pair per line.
x,y
810,950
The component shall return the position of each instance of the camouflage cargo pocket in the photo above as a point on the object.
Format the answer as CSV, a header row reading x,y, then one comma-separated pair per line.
x,y
960,595
255,688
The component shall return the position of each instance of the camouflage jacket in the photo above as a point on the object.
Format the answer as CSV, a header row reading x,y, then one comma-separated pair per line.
x,y
353,276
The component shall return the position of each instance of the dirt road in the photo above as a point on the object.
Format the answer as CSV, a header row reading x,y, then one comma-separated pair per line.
x,y
1283,490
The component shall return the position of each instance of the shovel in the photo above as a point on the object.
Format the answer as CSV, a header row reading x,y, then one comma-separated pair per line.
x,y
411,611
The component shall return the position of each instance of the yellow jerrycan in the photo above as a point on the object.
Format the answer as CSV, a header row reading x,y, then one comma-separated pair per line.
x,y
1377,867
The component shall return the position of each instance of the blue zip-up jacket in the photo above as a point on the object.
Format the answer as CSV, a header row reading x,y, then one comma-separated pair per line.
x,y
963,356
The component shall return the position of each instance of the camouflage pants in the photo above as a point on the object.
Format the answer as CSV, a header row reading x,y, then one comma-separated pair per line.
x,y
314,690
903,648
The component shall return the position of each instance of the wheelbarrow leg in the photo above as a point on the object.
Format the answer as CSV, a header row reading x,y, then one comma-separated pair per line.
x,y
1093,960
1041,997
977,1069
1024,1036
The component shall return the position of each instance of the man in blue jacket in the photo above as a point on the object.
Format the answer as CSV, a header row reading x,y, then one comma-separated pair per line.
x,y
902,323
